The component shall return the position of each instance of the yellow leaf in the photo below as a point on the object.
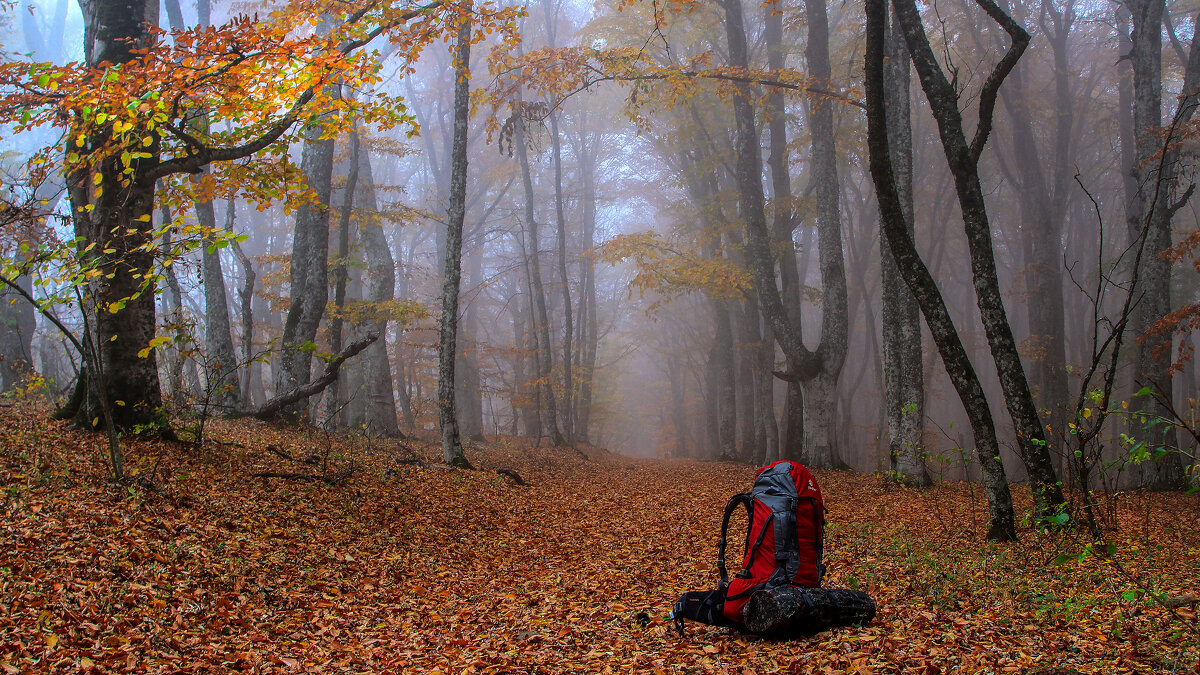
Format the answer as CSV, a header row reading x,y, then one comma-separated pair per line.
x,y
1087,412
86,663
51,640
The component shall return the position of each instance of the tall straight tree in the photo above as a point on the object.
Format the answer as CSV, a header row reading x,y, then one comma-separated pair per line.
x,y
1150,206
452,451
586,148
903,369
544,354
375,410
551,11
783,223
308,277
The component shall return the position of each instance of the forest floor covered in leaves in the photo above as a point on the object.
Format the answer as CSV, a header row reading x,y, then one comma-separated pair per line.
x,y
402,568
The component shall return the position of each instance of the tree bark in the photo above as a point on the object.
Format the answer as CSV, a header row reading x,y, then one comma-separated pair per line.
x,y
377,414
783,225
805,366
252,378
113,211
452,452
568,398
1149,214
468,387
309,273
17,323
903,368
541,321
963,161
589,324
338,393
222,386
1001,522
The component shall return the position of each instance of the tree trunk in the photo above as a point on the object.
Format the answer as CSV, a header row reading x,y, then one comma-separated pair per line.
x,y
222,387
342,389
17,323
1001,522
792,441
452,451
903,368
1149,216
963,159
541,321
827,360
764,384
309,275
589,325
468,388
252,378
377,414
112,210
568,398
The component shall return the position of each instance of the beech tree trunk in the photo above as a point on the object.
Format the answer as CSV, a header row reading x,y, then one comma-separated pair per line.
x,y
963,160
588,321
568,398
792,435
814,369
452,451
113,211
309,272
903,368
17,323
252,377
819,427
222,386
376,415
1149,212
541,320
1001,522
468,388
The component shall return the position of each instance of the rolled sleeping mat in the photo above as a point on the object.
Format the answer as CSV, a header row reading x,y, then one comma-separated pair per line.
x,y
793,610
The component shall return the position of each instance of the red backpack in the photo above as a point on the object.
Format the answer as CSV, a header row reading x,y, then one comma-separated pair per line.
x,y
784,540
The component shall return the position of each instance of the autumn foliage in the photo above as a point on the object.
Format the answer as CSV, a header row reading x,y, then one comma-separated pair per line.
x,y
197,566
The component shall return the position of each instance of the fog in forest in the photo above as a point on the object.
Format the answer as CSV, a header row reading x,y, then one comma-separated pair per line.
x,y
615,254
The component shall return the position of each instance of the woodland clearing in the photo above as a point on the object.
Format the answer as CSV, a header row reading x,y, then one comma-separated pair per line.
x,y
403,568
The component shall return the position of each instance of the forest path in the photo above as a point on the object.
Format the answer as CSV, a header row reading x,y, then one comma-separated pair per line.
x,y
407,569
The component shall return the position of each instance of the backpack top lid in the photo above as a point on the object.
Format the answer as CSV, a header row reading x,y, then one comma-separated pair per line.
x,y
803,483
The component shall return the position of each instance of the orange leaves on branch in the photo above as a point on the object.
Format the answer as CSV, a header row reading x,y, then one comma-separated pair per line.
x,y
672,271
556,74
1182,321
224,93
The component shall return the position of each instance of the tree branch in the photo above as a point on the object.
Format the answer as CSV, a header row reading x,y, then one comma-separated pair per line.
x,y
208,155
46,313
271,408
991,86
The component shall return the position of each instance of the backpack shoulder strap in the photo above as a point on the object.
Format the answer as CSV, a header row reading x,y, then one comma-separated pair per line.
x,y
744,499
